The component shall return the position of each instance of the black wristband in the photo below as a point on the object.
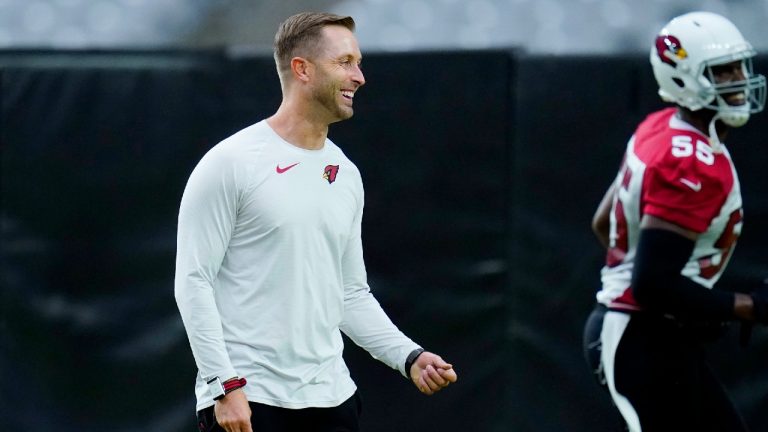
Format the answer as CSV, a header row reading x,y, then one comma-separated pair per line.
x,y
411,359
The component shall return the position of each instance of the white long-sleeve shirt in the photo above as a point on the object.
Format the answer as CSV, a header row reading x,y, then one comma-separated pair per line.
x,y
269,269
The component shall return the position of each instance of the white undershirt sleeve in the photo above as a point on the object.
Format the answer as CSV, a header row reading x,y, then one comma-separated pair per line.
x,y
206,220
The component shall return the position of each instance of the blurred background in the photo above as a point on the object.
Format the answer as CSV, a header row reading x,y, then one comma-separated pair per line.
x,y
486,135
542,26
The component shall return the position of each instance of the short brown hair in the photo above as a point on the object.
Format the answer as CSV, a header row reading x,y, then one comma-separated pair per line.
x,y
300,33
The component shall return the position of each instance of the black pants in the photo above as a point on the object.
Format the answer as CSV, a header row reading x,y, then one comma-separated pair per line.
x,y
266,418
661,369
592,348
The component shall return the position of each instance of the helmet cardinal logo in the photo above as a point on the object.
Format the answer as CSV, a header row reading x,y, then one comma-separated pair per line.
x,y
330,173
671,44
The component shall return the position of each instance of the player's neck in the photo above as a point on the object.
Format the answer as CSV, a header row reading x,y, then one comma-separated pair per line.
x,y
700,120
297,128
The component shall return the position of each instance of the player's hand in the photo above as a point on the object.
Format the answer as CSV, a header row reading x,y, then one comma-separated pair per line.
x,y
233,412
430,373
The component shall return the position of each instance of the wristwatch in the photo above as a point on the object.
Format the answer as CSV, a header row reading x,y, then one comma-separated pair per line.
x,y
218,389
411,360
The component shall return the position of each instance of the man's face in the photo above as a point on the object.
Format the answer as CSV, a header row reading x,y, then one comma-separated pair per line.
x,y
338,74
727,73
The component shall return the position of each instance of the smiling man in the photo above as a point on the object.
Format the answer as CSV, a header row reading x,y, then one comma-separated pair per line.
x,y
670,222
269,267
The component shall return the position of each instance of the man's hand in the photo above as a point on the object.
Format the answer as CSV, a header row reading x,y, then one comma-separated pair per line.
x,y
233,413
430,373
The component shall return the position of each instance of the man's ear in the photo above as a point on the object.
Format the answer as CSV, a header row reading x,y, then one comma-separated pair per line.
x,y
301,68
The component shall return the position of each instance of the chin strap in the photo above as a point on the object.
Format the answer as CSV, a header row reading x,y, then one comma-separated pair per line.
x,y
714,140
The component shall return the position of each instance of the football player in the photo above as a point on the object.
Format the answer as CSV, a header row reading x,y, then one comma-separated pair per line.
x,y
670,222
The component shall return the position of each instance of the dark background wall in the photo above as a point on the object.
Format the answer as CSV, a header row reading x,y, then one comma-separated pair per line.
x,y
482,170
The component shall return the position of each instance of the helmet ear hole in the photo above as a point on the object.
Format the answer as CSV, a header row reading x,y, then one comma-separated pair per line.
x,y
679,82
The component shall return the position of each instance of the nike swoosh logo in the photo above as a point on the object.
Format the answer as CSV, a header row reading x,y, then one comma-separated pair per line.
x,y
282,170
694,186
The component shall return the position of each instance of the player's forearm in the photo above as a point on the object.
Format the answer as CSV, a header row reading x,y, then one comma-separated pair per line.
x,y
202,323
658,285
366,323
601,218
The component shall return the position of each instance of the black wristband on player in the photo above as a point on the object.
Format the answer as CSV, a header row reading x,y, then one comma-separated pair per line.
x,y
411,359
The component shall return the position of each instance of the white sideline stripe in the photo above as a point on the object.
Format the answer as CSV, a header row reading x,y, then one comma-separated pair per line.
x,y
614,325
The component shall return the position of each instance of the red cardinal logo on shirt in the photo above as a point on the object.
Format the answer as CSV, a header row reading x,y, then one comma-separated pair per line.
x,y
330,173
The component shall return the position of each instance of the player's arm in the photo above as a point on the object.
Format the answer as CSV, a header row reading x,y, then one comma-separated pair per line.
x,y
206,220
366,323
601,220
663,250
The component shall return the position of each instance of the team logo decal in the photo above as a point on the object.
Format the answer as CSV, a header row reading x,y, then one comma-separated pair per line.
x,y
667,46
330,173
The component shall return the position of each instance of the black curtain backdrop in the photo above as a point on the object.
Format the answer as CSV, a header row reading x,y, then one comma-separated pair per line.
x,y
482,171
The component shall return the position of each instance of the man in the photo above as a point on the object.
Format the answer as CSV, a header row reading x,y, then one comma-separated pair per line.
x,y
269,265
670,222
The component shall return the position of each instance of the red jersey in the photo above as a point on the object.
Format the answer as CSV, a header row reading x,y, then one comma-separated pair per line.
x,y
670,171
